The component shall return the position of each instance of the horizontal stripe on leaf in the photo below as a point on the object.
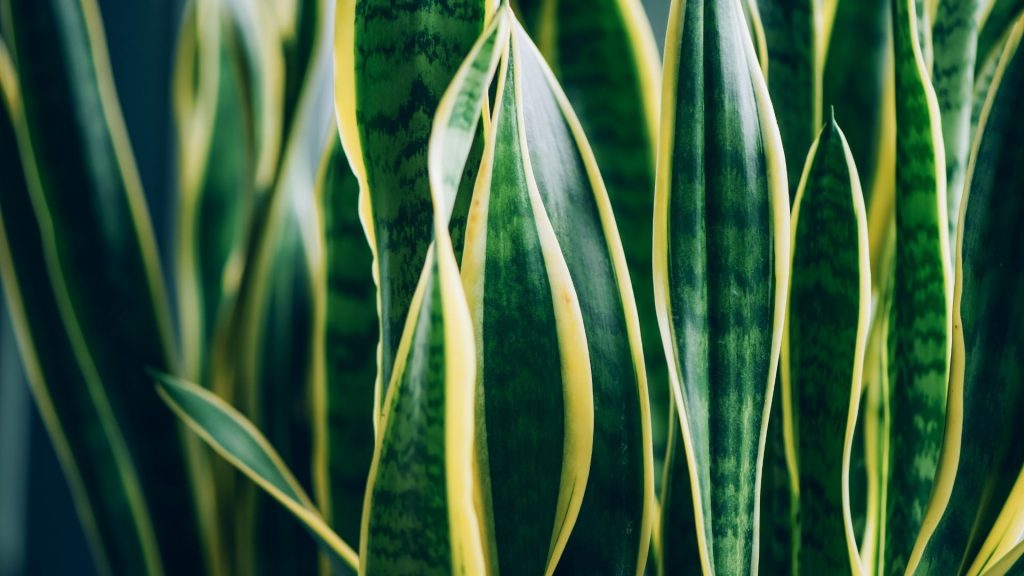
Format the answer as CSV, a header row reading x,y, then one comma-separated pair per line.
x,y
982,456
236,440
919,330
99,245
823,354
721,266
343,402
386,101
613,528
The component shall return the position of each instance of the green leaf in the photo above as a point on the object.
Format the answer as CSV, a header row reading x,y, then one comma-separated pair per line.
x,y
239,442
794,35
386,101
919,329
67,389
421,514
98,246
995,22
604,56
823,353
955,40
721,267
981,458
679,553
347,340
777,527
857,69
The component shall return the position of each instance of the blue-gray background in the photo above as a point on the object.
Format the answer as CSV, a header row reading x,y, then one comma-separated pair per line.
x,y
39,531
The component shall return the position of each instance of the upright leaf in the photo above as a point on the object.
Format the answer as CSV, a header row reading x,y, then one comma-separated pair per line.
x,y
347,339
995,22
823,353
386,101
604,56
679,552
69,394
794,34
721,265
981,456
919,329
955,40
98,245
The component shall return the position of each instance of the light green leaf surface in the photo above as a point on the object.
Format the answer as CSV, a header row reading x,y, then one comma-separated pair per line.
x,y
919,329
721,266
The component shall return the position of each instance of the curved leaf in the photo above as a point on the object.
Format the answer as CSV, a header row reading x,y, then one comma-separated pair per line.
x,y
721,265
995,24
919,330
68,391
604,56
239,442
347,336
420,515
385,102
98,245
981,457
823,352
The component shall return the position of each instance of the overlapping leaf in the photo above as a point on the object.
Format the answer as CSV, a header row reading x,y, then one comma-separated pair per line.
x,y
721,269
981,457
823,353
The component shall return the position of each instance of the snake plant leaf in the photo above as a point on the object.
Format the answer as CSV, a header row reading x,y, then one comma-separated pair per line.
x,y
980,460
612,85
385,102
422,481
854,80
216,176
777,525
1006,533
919,331
67,389
823,352
236,440
753,15
343,397
721,265
995,22
677,527
955,41
794,33
98,245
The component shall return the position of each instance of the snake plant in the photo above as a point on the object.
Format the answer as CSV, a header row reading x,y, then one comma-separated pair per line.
x,y
481,287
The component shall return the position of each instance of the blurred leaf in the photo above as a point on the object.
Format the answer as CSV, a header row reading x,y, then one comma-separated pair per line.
x,y
995,21
100,256
981,457
239,442
823,353
721,240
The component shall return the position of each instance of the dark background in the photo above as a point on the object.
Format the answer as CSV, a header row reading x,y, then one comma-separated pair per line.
x,y
39,531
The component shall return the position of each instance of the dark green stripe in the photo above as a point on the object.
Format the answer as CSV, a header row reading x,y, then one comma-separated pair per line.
x,y
408,530
523,404
919,336
991,315
721,276
396,97
607,534
823,336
